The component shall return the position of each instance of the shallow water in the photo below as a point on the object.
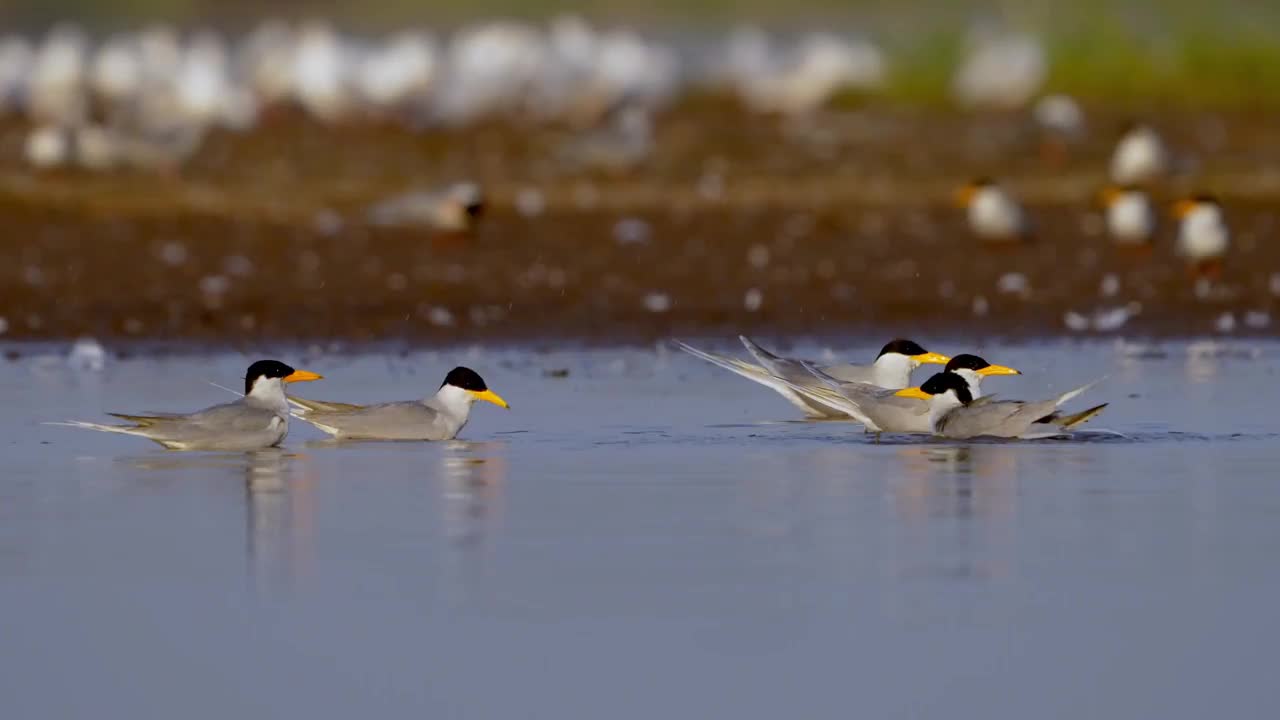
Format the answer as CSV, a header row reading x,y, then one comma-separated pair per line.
x,y
648,536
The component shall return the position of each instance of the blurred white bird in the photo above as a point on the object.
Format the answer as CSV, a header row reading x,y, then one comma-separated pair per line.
x,y
1001,71
266,60
631,70
398,74
203,85
321,73
47,147
87,354
55,91
1140,156
491,68
992,213
806,78
454,209
1130,216
563,86
116,72
1203,235
1059,114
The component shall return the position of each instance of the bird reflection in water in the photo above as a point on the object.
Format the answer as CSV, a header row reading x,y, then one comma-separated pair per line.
x,y
1202,362
473,476
280,510
279,504
956,481
472,485
958,504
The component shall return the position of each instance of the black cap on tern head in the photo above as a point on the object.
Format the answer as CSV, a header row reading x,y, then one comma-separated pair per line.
x,y
267,369
965,361
902,347
466,379
944,381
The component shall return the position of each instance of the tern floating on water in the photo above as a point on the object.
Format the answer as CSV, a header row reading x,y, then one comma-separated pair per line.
x,y
440,417
882,410
258,420
955,413
891,370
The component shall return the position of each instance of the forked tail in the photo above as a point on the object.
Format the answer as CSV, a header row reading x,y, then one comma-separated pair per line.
x,y
305,406
745,369
121,429
831,397
1066,422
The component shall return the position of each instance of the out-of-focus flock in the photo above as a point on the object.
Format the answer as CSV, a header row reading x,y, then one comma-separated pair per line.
x,y
147,98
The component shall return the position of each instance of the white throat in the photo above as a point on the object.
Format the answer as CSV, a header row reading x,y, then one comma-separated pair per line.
x,y
456,403
269,393
940,406
973,379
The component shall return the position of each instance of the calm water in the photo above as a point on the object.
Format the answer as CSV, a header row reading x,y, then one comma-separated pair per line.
x,y
647,537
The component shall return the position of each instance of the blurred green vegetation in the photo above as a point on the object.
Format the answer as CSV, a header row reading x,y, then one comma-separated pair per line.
x,y
1134,51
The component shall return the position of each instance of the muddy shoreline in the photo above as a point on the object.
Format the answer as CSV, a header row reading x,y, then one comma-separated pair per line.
x,y
839,228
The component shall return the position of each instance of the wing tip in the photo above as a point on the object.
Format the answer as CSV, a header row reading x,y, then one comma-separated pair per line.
x,y
1081,417
764,357
1070,394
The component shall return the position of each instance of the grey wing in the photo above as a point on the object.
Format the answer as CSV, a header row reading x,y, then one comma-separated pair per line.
x,y
880,409
800,371
409,420
322,406
148,418
815,393
760,375
849,373
893,413
229,417
998,418
793,371
233,426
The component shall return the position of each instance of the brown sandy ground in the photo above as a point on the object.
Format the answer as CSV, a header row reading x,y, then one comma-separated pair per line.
x,y
838,224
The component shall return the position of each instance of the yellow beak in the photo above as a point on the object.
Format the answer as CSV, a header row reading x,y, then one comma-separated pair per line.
x,y
913,392
931,358
998,370
1109,196
1182,207
964,196
302,376
490,396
